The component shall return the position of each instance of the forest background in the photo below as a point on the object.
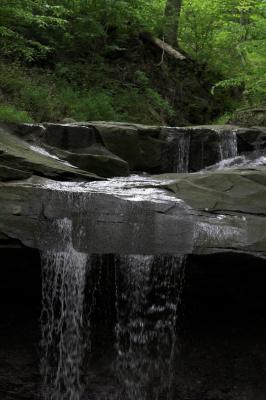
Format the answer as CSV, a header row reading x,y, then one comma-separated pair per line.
x,y
62,58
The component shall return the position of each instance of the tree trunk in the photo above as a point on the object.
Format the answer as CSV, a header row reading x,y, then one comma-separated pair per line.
x,y
172,14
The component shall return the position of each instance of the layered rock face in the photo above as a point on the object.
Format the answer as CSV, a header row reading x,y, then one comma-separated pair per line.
x,y
108,149
54,171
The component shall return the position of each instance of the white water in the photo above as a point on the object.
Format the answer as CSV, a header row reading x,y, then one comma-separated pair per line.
x,y
148,298
180,143
63,283
135,188
227,145
242,161
44,152
182,159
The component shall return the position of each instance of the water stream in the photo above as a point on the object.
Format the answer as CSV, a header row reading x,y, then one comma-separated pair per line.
x,y
149,293
147,296
250,161
227,145
178,160
62,318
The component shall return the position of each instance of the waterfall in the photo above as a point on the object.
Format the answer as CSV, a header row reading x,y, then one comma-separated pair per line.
x,y
146,295
178,156
149,292
63,283
227,145
182,161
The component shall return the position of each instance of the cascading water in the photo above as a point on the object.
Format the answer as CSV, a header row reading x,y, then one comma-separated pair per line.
x,y
148,294
227,145
148,297
182,154
238,162
63,286
179,144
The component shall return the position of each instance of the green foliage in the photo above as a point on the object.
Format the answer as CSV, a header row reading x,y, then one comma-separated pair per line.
x,y
27,28
46,97
9,113
223,119
230,37
56,56
35,29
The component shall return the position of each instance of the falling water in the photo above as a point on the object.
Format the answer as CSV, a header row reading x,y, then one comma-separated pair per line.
x,y
62,318
227,145
179,151
182,153
148,294
148,297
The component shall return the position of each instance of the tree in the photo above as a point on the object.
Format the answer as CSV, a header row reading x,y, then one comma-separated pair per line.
x,y
172,14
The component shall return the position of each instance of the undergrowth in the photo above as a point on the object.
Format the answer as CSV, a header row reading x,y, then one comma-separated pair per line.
x,y
45,95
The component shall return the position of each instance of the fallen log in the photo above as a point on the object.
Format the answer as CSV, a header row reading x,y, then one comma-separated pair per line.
x,y
165,47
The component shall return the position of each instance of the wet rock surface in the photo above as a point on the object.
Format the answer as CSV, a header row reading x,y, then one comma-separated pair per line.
x,y
19,159
110,149
175,214
219,207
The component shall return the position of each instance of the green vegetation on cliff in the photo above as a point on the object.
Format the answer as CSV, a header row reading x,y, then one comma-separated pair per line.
x,y
85,59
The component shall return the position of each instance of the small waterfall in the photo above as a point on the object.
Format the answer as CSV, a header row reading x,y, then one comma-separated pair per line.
x,y
183,146
227,145
145,292
63,286
148,298
179,150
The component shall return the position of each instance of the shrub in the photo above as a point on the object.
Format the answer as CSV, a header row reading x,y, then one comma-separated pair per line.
x,y
9,113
